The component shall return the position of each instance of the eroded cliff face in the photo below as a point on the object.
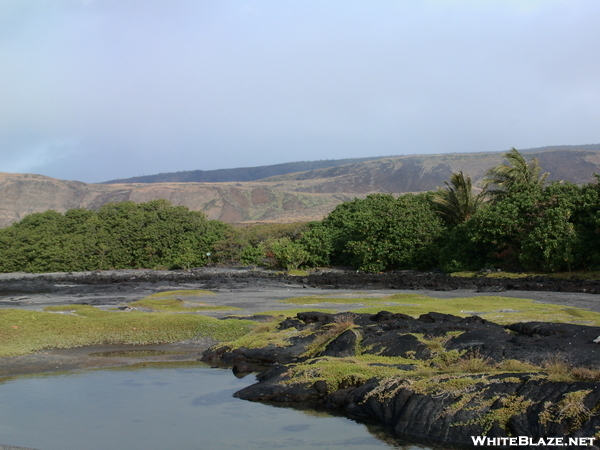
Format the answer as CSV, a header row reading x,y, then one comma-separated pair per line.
x,y
23,194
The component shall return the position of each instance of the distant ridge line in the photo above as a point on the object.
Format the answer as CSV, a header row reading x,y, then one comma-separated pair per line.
x,y
242,174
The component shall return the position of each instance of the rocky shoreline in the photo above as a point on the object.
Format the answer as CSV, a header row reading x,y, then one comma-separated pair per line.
x,y
455,377
429,398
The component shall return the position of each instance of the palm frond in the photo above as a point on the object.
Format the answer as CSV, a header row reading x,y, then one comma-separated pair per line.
x,y
517,171
457,203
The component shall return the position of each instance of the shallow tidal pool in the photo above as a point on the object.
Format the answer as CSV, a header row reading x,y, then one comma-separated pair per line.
x,y
179,406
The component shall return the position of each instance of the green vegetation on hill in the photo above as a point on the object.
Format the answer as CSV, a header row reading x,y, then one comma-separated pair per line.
x,y
526,225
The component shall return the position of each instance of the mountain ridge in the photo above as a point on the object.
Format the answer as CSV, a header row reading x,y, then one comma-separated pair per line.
x,y
263,172
239,173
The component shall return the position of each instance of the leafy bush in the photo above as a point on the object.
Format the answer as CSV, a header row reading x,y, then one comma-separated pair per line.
x,y
286,254
383,232
532,228
119,236
246,243
252,255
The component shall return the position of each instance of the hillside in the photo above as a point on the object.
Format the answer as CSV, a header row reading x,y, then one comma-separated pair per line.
x,y
240,173
262,172
293,197
23,194
426,172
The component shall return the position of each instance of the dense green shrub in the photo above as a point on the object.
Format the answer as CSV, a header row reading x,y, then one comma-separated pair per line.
x,y
384,232
317,239
285,253
531,228
246,243
118,236
251,255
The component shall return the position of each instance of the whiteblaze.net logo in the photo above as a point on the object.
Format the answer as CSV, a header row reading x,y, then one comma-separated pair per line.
x,y
518,441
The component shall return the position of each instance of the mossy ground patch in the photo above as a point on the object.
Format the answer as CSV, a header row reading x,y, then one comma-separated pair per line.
x,y
173,301
177,305
502,310
337,372
354,299
576,275
25,331
181,293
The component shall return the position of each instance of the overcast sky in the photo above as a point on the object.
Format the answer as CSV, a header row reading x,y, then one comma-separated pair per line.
x,y
93,90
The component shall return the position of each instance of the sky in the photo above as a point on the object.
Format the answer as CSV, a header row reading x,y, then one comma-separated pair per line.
x,y
94,90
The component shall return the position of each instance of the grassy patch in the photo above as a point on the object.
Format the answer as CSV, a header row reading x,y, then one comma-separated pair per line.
x,y
263,335
23,331
298,273
177,305
592,275
329,333
502,310
266,334
463,274
580,275
181,293
283,313
514,365
511,275
343,372
316,299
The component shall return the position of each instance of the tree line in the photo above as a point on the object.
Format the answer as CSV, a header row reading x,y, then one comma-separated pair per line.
x,y
516,222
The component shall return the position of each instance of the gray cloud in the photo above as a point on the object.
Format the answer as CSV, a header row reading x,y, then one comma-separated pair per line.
x,y
100,89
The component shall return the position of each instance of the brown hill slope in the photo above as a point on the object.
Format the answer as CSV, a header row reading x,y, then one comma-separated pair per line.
x,y
426,172
287,198
23,194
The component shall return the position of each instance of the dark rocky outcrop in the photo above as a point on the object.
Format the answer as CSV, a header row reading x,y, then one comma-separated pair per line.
x,y
499,406
439,281
445,406
240,277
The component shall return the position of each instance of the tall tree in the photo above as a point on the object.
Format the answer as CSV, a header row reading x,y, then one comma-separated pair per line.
x,y
457,203
518,171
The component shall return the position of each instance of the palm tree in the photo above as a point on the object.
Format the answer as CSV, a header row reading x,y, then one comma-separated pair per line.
x,y
457,203
518,171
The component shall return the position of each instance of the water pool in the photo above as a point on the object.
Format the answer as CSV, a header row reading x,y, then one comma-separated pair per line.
x,y
179,406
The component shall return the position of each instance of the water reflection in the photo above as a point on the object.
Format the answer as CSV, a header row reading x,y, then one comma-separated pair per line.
x,y
180,406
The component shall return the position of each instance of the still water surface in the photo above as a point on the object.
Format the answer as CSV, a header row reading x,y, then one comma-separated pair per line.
x,y
157,407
